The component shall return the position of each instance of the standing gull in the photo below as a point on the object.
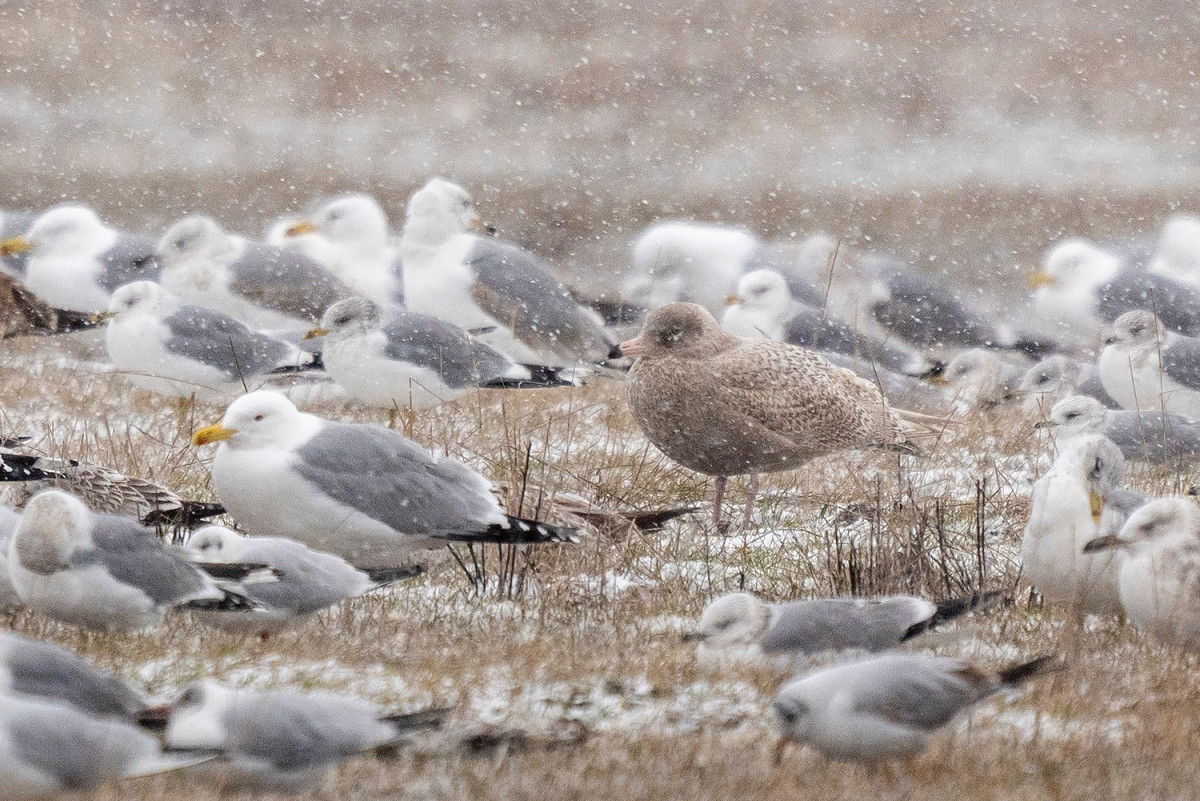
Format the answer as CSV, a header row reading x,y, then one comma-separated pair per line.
x,y
307,581
263,286
741,626
1064,515
363,492
75,261
1151,437
359,251
1145,366
103,572
887,707
506,295
48,748
413,360
281,739
723,405
175,349
1159,577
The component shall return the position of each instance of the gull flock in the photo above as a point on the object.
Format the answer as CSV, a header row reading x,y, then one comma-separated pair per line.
x,y
750,358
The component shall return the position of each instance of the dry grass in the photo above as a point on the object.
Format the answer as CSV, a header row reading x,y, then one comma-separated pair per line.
x,y
941,130
589,643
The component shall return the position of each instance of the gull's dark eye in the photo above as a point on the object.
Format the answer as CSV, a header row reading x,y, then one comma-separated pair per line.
x,y
1070,415
259,417
191,697
343,319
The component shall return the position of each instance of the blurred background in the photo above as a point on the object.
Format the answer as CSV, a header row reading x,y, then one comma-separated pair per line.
x,y
965,137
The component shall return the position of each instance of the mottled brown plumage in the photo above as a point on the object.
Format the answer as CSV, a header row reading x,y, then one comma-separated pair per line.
x,y
725,405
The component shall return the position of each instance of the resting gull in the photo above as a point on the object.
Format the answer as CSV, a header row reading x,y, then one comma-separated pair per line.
x,y
307,581
48,748
979,379
1152,437
1064,515
741,627
890,706
363,492
723,405
103,572
103,489
1081,287
763,306
1159,575
1057,377
281,739
75,261
176,349
34,668
1144,366
263,286
1177,255
413,361
359,251
505,295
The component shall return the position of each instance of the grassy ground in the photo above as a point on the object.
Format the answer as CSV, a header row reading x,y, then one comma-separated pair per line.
x,y
580,653
967,139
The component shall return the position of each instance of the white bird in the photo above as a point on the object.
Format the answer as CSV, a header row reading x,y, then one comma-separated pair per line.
x,y
980,379
281,739
1160,569
685,261
760,307
1178,253
413,360
103,572
1082,287
366,493
741,627
307,581
1145,366
172,348
1064,515
265,287
1057,377
1151,437
887,707
505,295
49,747
359,250
75,261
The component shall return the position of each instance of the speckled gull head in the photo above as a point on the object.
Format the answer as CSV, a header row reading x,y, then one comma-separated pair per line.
x,y
194,237
196,717
259,420
1074,416
682,330
1163,523
53,524
436,212
141,297
350,317
1136,329
217,543
731,621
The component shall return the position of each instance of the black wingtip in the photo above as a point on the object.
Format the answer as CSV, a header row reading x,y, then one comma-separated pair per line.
x,y
20,467
233,571
431,718
382,576
517,531
229,602
957,607
187,515
1050,663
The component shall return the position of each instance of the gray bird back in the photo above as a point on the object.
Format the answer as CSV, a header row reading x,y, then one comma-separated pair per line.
x,y
131,258
133,555
285,281
838,624
442,347
45,670
218,340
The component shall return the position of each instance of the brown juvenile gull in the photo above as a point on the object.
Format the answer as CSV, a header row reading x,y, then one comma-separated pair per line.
x,y
726,406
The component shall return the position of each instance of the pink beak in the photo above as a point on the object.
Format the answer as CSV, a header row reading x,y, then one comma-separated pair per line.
x,y
633,347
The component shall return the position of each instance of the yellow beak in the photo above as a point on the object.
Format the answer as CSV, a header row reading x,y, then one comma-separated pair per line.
x,y
103,316
938,380
14,245
1040,279
211,434
313,333
1097,506
733,300
300,228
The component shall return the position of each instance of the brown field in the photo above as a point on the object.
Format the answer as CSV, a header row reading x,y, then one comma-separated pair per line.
x,y
938,129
